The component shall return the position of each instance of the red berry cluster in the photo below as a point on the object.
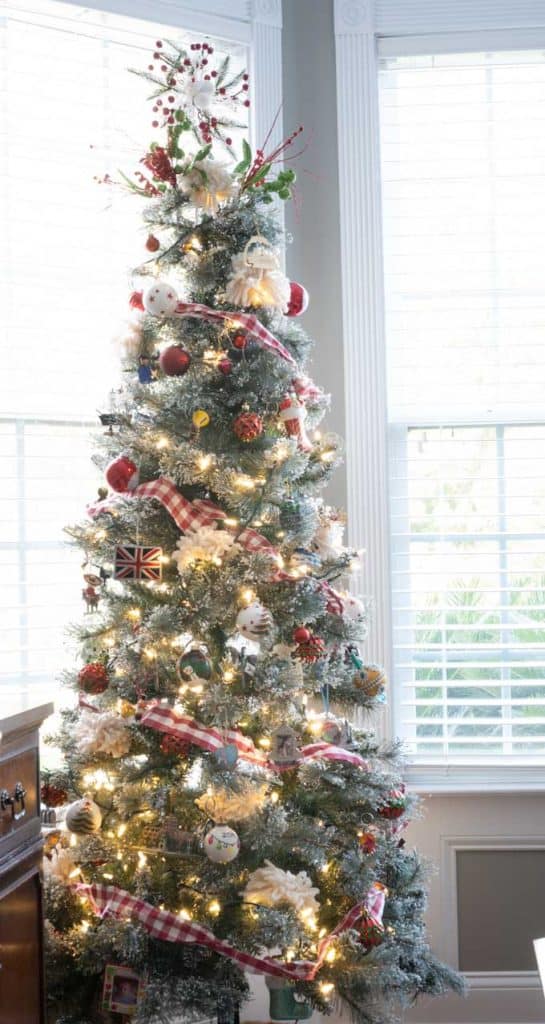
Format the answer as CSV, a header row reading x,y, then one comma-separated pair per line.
x,y
53,796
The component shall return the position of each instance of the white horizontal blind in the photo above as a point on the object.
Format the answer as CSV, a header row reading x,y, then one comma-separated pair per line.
x,y
463,164
69,111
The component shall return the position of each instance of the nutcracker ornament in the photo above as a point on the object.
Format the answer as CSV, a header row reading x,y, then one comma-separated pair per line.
x,y
292,413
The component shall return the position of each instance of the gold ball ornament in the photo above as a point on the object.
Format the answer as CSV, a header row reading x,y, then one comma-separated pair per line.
x,y
200,419
371,679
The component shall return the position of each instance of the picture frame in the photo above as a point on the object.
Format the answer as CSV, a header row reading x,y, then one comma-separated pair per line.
x,y
123,990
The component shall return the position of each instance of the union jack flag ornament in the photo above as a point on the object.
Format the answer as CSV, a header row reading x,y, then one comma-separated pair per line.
x,y
132,562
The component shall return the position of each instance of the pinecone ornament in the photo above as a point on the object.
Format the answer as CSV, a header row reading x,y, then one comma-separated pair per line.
x,y
247,426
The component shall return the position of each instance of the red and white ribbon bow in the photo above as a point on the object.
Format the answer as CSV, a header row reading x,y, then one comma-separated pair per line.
x,y
110,901
165,719
249,322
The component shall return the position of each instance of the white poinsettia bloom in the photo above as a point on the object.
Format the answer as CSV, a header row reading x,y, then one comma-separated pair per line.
x,y
60,864
204,545
271,885
104,733
209,184
200,94
224,805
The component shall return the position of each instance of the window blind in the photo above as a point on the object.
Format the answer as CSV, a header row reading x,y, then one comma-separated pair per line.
x,y
463,175
69,112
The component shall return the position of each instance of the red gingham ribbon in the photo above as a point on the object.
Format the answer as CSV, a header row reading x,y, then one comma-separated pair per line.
x,y
166,719
190,515
109,900
246,320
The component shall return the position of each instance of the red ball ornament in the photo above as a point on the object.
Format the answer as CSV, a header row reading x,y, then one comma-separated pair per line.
x,y
122,474
394,806
52,796
94,678
301,635
247,426
310,650
170,745
152,243
225,366
371,931
239,341
174,361
298,301
135,301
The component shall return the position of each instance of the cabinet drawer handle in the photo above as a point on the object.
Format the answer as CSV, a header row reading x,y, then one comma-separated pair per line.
x,y
16,801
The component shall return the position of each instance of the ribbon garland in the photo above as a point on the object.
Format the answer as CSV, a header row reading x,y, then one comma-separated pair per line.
x,y
249,322
165,719
110,901
191,515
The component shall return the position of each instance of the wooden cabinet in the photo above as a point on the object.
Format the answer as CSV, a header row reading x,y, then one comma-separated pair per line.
x,y
21,924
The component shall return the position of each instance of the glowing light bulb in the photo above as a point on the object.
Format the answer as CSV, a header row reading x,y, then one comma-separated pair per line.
x,y
247,595
326,987
121,830
142,859
214,908
161,443
134,614
204,462
84,927
228,675
264,742
331,955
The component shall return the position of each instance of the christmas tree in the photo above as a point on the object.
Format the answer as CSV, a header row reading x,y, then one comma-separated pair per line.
x,y
218,813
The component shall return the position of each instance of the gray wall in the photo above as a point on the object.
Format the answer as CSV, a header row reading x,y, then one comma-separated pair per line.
x,y
313,258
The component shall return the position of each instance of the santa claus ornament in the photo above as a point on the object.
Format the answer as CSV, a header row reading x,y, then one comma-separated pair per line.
x,y
293,414
256,279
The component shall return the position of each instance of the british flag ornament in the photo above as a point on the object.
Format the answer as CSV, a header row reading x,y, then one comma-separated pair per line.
x,y
133,562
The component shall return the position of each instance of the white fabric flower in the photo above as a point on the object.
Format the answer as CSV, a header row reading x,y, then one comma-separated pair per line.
x,y
223,805
252,285
59,864
200,94
103,733
204,545
210,189
270,885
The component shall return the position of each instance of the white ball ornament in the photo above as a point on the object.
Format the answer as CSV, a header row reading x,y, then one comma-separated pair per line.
x,y
221,844
255,621
160,299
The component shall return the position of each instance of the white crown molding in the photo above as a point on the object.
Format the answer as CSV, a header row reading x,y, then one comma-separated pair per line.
x,y
476,779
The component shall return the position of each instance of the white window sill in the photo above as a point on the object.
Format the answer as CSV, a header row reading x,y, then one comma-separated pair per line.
x,y
475,778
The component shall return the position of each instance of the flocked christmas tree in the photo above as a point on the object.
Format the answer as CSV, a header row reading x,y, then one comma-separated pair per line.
x,y
223,814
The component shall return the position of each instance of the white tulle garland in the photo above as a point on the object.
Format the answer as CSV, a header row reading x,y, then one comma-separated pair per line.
x,y
271,885
203,545
208,184
102,733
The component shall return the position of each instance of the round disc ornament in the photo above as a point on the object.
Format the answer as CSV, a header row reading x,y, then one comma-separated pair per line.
x,y
174,361
83,817
194,664
160,299
221,844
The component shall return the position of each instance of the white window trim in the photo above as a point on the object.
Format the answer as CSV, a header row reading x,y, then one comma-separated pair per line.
x,y
364,30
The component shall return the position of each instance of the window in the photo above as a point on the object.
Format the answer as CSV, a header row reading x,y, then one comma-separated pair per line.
x,y
463,182
69,112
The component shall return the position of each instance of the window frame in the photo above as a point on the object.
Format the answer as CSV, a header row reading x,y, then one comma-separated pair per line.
x,y
364,33
257,26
